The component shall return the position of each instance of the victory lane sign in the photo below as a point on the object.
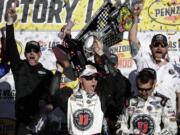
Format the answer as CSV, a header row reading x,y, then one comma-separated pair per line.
x,y
36,14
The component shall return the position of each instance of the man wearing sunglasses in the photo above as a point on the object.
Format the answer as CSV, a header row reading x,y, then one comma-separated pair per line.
x,y
145,113
31,78
84,108
168,81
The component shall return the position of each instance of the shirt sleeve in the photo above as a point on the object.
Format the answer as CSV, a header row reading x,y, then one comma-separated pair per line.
x,y
11,47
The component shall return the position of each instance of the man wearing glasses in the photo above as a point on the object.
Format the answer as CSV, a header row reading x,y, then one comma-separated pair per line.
x,y
146,113
168,81
32,80
85,116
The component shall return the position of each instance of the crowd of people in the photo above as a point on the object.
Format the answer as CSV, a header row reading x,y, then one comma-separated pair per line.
x,y
100,101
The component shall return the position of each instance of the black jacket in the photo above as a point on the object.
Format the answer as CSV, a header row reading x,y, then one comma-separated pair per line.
x,y
60,96
113,92
31,82
113,89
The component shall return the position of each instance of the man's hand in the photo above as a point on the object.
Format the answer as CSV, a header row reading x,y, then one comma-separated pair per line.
x,y
60,66
66,30
137,8
98,47
11,14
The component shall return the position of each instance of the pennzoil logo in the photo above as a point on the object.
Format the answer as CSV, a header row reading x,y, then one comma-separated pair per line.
x,y
83,119
165,12
122,50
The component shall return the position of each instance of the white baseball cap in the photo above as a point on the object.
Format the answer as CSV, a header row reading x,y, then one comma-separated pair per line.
x,y
89,70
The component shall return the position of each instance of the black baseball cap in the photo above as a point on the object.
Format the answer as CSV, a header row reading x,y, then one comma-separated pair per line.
x,y
160,38
32,45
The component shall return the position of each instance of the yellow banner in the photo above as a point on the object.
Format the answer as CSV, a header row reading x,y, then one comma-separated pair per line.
x,y
53,14
122,50
161,15
50,14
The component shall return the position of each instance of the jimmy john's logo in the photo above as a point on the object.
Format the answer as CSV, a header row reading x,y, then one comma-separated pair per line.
x,y
83,119
144,123
165,12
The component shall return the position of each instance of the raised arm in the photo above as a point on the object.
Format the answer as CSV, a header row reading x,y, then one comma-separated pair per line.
x,y
10,38
133,40
109,66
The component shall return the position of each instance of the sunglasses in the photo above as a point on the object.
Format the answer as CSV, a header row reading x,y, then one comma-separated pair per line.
x,y
89,78
157,44
29,50
145,89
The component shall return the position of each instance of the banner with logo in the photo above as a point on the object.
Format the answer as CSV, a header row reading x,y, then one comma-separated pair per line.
x,y
53,14
41,20
161,15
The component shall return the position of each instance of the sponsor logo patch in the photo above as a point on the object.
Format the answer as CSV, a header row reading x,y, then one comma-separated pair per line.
x,y
144,123
83,119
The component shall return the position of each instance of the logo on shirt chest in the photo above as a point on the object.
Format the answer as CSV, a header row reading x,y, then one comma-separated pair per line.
x,y
83,119
144,123
41,72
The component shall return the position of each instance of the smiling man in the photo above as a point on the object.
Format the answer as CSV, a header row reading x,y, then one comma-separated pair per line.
x,y
168,72
84,108
29,76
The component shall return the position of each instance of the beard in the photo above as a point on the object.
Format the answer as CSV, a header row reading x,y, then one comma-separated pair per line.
x,y
158,57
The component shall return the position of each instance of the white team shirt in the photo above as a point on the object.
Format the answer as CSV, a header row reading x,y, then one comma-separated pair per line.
x,y
85,116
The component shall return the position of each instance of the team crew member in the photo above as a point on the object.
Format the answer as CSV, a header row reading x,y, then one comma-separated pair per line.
x,y
145,113
29,75
168,81
113,88
85,116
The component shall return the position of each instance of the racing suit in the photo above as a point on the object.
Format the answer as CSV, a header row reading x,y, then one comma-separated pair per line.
x,y
85,116
144,117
